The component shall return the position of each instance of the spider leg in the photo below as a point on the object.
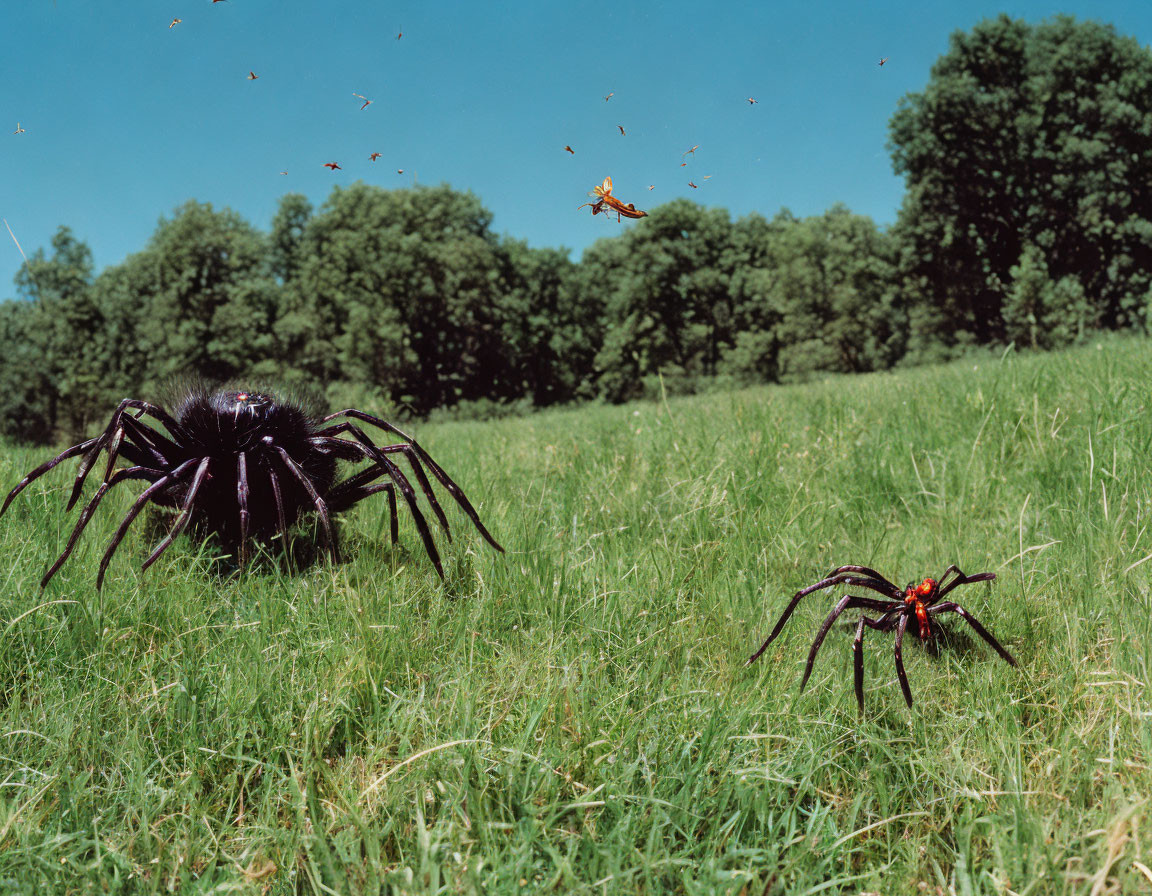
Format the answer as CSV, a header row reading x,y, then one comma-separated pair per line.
x,y
113,431
242,499
953,607
437,471
960,580
882,624
44,468
846,602
407,451
886,588
866,570
397,475
351,496
89,509
900,673
317,501
139,449
185,514
340,496
134,511
281,518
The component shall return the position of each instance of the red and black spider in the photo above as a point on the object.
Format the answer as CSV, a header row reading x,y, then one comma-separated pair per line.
x,y
916,602
245,465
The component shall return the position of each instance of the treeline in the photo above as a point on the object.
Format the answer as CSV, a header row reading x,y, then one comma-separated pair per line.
x,y
1027,219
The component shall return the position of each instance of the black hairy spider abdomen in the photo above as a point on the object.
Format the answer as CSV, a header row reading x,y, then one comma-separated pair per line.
x,y
246,465
223,425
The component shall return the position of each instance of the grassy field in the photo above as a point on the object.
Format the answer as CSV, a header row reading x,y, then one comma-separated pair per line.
x,y
575,716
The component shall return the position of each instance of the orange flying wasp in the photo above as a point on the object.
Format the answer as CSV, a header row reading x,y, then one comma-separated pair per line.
x,y
607,202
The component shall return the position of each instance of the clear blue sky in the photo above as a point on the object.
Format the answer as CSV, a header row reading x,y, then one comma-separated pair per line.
x,y
126,118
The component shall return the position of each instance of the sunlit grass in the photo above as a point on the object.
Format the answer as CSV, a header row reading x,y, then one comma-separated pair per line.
x,y
575,716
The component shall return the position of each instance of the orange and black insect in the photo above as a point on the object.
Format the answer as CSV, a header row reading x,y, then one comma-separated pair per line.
x,y
902,605
606,203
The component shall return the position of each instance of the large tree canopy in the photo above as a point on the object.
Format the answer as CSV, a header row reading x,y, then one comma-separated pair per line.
x,y
1033,144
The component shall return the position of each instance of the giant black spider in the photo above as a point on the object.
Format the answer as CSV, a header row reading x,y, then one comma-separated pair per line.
x,y
246,465
919,602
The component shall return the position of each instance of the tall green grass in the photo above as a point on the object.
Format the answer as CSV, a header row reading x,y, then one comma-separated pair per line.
x,y
575,716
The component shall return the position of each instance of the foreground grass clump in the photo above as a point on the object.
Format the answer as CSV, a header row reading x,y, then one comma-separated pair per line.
x,y
574,716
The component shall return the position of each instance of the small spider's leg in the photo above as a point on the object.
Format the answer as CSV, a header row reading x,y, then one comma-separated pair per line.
x,y
900,673
184,517
89,509
409,493
377,455
962,580
134,511
871,573
242,499
846,602
953,607
317,501
437,470
44,468
858,654
841,579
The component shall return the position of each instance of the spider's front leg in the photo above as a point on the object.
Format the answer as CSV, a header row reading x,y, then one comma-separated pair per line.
x,y
953,607
882,624
961,579
838,577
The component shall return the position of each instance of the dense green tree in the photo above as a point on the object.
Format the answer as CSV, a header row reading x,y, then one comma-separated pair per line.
x,y
26,411
401,289
549,326
668,309
1026,136
284,243
752,263
837,309
62,351
199,298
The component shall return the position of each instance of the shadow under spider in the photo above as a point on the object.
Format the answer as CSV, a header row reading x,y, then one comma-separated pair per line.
x,y
301,549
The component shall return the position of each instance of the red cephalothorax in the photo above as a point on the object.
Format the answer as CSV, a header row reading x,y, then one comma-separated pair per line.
x,y
895,613
915,597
